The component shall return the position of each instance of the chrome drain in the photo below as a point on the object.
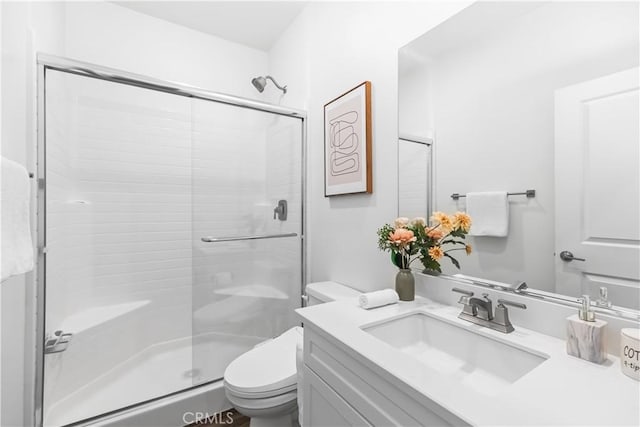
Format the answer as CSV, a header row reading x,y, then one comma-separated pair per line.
x,y
191,373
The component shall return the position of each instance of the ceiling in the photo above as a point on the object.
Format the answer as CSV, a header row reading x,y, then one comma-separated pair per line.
x,y
257,24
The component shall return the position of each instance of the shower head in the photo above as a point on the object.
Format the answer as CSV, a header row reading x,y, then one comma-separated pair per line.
x,y
260,82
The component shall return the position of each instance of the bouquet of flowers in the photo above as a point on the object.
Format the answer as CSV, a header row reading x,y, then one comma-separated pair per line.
x,y
409,240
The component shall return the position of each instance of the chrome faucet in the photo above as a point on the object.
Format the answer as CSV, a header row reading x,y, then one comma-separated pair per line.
x,y
480,311
484,307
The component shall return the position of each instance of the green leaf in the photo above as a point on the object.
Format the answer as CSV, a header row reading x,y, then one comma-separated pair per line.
x,y
458,232
453,260
455,242
430,263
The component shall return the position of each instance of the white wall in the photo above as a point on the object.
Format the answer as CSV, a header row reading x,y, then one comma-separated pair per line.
x,y
492,106
0,290
18,143
105,34
328,49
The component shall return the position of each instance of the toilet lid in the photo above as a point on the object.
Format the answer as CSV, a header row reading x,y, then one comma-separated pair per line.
x,y
268,367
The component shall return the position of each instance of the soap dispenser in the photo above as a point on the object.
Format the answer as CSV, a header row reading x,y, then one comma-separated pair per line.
x,y
585,334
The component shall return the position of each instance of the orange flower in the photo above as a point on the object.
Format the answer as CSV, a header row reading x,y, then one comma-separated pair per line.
x,y
435,233
401,237
443,220
467,249
462,220
436,253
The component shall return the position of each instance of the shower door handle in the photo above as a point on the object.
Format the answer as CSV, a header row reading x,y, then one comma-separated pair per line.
x,y
239,238
56,342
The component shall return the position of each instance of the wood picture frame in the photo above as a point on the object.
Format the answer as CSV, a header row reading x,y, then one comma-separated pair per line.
x,y
347,143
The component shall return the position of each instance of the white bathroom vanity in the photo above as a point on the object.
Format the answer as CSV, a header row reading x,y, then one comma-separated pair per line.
x,y
417,363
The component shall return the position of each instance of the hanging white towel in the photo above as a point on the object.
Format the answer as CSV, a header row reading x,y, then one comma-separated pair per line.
x,y
378,298
16,251
489,212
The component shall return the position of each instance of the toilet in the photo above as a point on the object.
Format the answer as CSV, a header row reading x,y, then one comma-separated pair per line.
x,y
262,383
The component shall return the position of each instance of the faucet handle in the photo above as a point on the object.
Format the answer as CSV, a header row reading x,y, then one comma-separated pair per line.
x,y
502,314
512,304
465,299
603,301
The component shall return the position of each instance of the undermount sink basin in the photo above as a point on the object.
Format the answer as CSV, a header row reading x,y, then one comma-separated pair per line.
x,y
476,361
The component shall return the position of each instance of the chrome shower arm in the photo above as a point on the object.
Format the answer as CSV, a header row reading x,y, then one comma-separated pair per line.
x,y
282,88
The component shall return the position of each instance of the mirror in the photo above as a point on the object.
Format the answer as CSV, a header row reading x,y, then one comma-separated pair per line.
x,y
514,96
414,175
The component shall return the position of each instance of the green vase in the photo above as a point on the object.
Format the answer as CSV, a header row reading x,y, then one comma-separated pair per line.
x,y
405,285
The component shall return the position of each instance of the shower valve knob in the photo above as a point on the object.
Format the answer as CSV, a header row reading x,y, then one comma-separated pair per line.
x,y
280,211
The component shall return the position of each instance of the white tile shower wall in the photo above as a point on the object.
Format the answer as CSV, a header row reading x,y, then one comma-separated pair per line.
x,y
126,195
228,171
413,182
284,181
233,196
119,208
330,48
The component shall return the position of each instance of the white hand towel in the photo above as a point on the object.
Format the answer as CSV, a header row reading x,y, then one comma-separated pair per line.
x,y
489,213
378,298
16,250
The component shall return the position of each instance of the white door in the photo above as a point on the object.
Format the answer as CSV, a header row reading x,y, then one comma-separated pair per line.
x,y
597,155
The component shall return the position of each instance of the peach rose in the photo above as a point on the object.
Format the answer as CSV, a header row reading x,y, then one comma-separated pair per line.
x,y
435,233
401,237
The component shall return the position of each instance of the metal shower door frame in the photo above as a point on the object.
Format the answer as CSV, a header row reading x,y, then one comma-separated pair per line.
x,y
50,62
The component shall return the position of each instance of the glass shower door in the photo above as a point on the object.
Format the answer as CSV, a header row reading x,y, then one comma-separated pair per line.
x,y
118,276
247,226
173,241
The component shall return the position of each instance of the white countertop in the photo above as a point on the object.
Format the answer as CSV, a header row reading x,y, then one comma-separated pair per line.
x,y
563,390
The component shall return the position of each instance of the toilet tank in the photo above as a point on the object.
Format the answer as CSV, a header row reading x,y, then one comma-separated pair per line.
x,y
321,292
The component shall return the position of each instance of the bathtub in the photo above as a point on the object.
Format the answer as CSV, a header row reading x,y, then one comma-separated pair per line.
x,y
107,377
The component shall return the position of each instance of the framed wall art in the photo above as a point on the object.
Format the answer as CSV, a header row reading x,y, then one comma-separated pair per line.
x,y
347,143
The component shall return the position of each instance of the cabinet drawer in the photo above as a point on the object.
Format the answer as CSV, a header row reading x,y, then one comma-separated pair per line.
x,y
374,397
322,406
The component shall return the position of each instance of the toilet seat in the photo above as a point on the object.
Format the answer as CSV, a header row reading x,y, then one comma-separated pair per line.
x,y
267,370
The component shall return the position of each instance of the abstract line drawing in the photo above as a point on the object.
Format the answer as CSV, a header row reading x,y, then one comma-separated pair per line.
x,y
347,130
344,142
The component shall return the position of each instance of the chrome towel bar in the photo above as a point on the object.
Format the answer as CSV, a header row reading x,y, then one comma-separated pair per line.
x,y
239,238
528,193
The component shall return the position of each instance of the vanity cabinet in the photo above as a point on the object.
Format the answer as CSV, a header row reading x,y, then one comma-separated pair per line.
x,y
342,388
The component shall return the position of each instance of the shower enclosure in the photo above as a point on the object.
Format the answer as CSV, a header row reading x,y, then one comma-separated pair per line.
x,y
170,233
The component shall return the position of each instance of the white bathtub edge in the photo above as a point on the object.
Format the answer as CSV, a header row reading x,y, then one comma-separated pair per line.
x,y
178,410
